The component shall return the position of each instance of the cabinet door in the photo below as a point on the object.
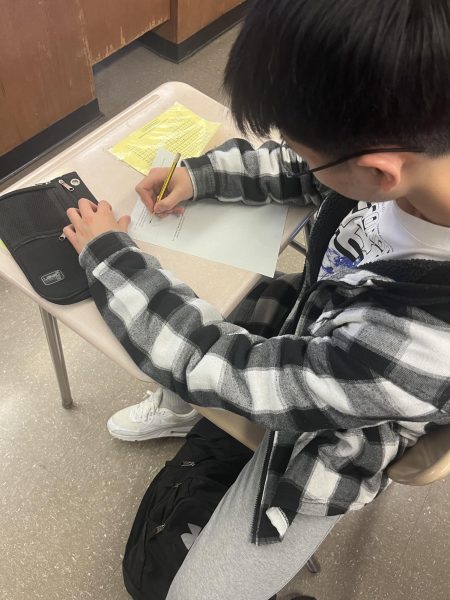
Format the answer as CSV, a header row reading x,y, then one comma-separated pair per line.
x,y
189,16
111,24
45,73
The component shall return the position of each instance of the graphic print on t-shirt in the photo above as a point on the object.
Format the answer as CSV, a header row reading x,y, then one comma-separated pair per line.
x,y
357,239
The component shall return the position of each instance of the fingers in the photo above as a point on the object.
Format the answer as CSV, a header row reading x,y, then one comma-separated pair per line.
x,y
180,189
74,216
148,197
147,187
69,232
104,206
87,207
169,202
124,223
90,220
175,211
71,236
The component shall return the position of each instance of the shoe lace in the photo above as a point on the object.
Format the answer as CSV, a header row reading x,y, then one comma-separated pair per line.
x,y
145,410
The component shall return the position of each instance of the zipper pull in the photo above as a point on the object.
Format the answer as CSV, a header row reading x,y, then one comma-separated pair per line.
x,y
187,463
65,185
156,531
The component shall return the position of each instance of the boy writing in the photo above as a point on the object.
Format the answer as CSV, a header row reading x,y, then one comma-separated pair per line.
x,y
347,364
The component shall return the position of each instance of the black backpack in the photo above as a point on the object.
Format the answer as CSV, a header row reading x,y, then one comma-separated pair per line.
x,y
176,507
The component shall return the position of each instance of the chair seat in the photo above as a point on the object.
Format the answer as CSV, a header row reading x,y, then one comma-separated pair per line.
x,y
426,462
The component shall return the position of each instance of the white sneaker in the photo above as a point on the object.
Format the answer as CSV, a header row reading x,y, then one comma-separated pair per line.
x,y
148,420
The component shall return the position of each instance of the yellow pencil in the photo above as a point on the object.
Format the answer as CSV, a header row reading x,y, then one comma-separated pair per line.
x,y
168,178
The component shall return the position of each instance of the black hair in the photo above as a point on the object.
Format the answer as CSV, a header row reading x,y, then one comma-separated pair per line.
x,y
343,75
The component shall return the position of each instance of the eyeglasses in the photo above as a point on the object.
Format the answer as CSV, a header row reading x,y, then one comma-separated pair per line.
x,y
301,170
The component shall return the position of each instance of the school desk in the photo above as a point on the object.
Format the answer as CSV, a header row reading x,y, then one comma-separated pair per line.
x,y
107,177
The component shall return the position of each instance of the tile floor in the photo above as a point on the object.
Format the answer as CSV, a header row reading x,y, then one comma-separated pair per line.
x,y
69,492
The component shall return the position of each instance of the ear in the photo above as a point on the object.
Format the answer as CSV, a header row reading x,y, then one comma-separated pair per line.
x,y
386,167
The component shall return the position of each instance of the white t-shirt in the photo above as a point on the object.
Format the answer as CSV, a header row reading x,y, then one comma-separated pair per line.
x,y
383,231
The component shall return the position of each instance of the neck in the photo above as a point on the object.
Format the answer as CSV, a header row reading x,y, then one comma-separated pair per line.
x,y
430,198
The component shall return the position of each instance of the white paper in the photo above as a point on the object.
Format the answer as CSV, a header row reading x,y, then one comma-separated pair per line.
x,y
247,237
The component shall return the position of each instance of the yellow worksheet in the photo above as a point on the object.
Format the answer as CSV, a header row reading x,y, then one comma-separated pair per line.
x,y
178,129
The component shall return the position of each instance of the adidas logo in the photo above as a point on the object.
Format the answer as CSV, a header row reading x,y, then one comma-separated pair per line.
x,y
189,538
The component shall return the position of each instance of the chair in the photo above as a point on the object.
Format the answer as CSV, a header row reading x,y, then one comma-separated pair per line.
x,y
426,462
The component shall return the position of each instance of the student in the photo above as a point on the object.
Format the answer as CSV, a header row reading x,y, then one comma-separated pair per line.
x,y
347,364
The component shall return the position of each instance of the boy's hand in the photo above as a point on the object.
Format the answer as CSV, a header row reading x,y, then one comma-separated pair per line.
x,y
179,189
90,220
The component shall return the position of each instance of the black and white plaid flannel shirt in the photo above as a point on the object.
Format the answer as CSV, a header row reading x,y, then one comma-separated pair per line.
x,y
345,372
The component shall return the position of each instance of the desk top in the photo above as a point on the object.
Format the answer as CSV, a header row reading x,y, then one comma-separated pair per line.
x,y
111,179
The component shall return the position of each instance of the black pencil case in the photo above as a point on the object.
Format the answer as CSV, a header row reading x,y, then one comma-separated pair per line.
x,y
31,224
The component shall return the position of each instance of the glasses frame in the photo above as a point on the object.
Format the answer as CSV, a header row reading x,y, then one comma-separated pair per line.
x,y
303,166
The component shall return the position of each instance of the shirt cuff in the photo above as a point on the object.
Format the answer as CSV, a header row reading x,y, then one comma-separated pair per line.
x,y
202,175
104,246
278,520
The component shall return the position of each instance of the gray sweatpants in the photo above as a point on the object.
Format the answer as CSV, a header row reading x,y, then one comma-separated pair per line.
x,y
223,564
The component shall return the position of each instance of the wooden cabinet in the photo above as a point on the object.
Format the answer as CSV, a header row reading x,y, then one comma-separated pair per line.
x,y
190,16
45,70
48,47
110,25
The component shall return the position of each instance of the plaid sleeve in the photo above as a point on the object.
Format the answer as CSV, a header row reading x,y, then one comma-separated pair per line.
x,y
236,172
346,373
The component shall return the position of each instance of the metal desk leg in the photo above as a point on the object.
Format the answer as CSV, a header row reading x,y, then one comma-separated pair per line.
x,y
313,565
57,354
303,249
